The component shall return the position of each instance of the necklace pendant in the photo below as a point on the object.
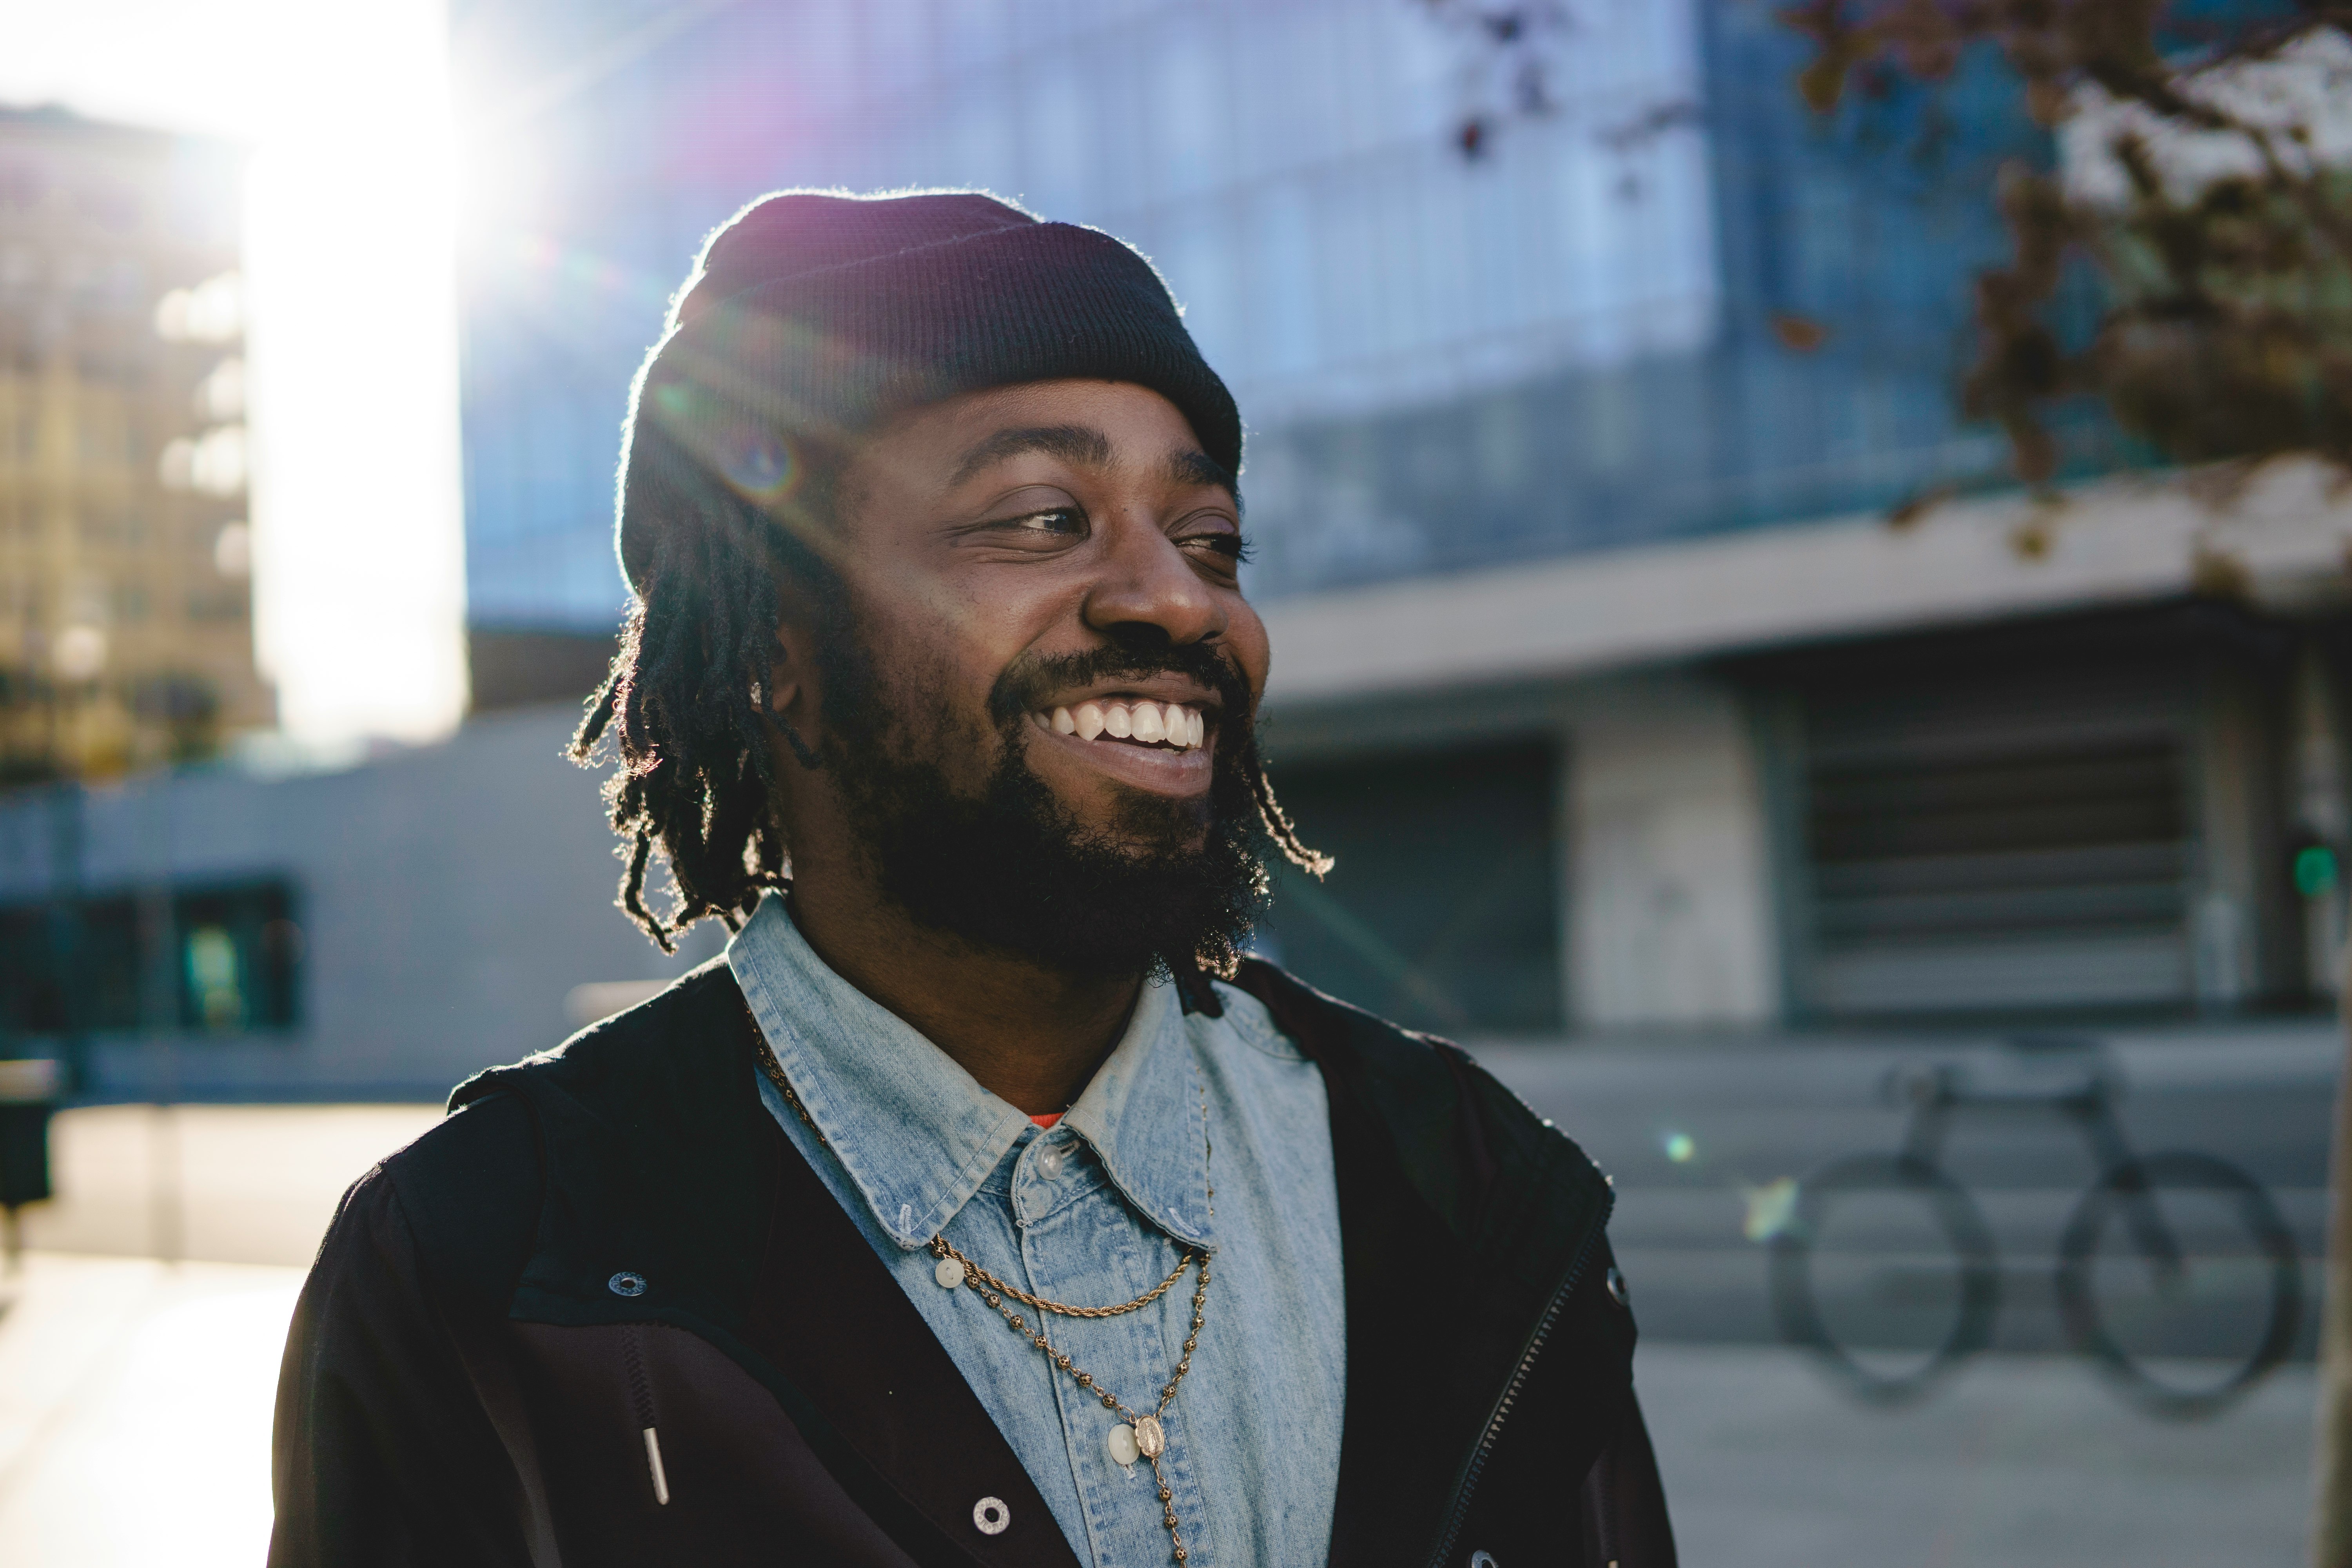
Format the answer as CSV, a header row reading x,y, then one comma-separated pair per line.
x,y
1149,1440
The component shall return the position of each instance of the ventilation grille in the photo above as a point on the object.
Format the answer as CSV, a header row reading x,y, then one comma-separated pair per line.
x,y
1978,872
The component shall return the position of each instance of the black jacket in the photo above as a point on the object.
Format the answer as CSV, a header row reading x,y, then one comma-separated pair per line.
x,y
465,1383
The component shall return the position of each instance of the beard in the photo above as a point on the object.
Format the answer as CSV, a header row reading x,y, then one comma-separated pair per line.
x,y
1166,883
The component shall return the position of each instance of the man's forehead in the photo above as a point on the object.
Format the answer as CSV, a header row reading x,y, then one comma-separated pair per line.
x,y
1087,446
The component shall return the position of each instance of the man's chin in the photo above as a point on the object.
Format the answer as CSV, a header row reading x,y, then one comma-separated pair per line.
x,y
1113,903
1061,865
1150,832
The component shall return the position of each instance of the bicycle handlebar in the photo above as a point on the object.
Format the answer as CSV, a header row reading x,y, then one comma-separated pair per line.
x,y
1946,1084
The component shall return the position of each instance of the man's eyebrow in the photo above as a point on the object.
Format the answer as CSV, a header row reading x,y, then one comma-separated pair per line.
x,y
1193,466
1071,443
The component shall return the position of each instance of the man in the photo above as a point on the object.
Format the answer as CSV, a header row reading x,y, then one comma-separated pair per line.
x,y
982,1204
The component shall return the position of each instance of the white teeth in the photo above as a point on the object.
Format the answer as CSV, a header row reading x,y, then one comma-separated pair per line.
x,y
1148,723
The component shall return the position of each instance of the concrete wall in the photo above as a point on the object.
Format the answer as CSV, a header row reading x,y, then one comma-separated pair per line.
x,y
2121,541
450,898
1670,912
1665,865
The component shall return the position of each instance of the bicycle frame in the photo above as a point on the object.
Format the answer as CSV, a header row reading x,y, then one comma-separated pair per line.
x,y
1940,1093
2127,1186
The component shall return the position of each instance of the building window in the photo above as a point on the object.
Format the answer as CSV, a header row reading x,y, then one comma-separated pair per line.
x,y
239,949
1442,910
216,960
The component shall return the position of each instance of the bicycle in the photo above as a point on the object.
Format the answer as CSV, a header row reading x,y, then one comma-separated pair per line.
x,y
2175,1274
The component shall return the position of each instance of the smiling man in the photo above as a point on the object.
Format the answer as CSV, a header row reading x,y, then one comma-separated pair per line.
x,y
983,1203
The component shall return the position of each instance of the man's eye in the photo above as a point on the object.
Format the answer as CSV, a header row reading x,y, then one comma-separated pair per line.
x,y
1230,545
1066,520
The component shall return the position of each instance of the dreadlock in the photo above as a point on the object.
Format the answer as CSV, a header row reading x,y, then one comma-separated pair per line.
x,y
687,700
1279,828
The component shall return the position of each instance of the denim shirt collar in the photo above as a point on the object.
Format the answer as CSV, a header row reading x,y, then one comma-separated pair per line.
x,y
918,1134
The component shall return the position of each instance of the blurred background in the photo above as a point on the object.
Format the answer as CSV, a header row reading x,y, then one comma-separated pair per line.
x,y
1738,712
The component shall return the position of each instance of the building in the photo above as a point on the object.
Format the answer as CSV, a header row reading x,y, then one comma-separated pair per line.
x,y
1574,444
344,928
1596,662
126,633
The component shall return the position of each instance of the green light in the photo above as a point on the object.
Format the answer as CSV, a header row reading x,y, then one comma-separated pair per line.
x,y
2314,871
1679,1147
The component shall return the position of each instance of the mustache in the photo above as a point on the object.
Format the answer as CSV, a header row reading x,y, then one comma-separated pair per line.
x,y
1027,681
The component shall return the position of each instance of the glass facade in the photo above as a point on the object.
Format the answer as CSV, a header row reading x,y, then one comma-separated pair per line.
x,y
1443,908
218,960
1600,330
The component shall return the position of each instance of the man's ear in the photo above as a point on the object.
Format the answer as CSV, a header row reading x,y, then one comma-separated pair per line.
x,y
790,693
783,683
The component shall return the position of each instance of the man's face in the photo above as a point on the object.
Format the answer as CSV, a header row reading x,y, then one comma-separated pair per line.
x,y
1043,612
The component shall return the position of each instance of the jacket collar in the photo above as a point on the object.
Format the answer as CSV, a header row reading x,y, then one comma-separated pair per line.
x,y
918,1134
1498,1218
660,1158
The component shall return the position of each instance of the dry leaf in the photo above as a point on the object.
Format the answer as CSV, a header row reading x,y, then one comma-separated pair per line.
x,y
1802,334
2217,574
1917,505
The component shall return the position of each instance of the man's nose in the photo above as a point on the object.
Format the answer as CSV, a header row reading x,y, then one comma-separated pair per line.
x,y
1147,581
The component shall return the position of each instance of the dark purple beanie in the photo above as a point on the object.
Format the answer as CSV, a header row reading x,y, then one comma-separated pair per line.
x,y
817,314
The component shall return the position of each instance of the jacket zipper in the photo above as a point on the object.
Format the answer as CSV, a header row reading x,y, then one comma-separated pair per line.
x,y
1461,1505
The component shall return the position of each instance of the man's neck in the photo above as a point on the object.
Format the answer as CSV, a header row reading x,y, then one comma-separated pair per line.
x,y
1031,1034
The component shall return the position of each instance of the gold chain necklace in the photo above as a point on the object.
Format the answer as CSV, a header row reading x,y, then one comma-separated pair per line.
x,y
1143,1433
776,1071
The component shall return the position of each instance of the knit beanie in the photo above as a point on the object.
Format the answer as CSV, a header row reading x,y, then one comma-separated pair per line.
x,y
815,315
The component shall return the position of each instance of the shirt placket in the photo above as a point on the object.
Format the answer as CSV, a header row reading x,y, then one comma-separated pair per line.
x,y
1081,1244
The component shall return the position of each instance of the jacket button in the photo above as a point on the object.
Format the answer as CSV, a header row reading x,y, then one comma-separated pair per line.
x,y
990,1515
625,1283
1616,1286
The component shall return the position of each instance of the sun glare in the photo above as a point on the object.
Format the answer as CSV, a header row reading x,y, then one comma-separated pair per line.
x,y
351,371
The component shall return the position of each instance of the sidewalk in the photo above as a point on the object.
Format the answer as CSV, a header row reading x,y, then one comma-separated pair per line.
x,y
2019,1462
134,1411
225,1184
135,1397
135,1401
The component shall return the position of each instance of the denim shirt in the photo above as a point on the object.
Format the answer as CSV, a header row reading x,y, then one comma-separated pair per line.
x,y
1196,1133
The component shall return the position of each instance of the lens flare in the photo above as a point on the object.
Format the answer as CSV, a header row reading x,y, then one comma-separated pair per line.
x,y
1679,1147
760,465
756,462
1771,1208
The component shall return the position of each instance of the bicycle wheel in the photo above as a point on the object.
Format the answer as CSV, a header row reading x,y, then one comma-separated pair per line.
x,y
2179,1277
1886,1273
